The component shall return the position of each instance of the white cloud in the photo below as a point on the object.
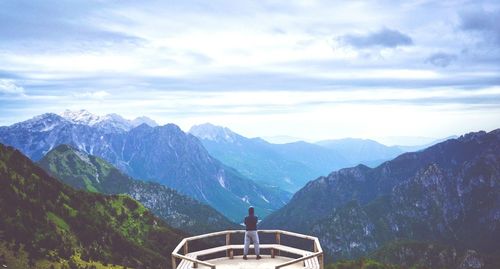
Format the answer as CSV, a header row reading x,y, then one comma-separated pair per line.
x,y
93,95
8,86
261,67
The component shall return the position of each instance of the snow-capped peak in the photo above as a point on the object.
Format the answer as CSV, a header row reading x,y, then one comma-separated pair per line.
x,y
110,122
81,116
44,122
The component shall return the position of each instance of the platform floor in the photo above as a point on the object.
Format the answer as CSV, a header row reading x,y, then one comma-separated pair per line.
x,y
265,263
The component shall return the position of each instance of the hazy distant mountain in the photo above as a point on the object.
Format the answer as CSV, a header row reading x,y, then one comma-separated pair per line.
x,y
47,224
448,194
370,152
282,139
424,146
163,154
214,133
288,166
110,122
405,140
362,151
291,165
143,120
320,159
83,171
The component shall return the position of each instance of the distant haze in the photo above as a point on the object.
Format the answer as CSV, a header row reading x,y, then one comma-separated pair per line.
x,y
406,140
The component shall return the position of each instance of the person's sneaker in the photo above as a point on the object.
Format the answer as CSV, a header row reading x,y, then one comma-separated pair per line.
x,y
259,257
244,257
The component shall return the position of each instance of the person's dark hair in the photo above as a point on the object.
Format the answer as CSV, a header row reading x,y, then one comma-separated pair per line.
x,y
250,210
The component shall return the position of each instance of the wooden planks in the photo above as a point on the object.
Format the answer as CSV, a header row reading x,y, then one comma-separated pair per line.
x,y
311,263
263,246
185,264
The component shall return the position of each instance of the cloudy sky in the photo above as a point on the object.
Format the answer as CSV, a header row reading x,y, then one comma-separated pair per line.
x,y
308,69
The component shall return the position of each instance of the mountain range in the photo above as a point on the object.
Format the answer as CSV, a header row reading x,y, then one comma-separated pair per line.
x,y
163,154
290,165
86,172
436,207
46,224
446,195
287,166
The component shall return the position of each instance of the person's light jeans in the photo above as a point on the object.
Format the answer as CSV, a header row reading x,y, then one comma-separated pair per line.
x,y
251,236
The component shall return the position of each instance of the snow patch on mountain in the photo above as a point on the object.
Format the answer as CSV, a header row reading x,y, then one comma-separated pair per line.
x,y
220,178
110,122
81,117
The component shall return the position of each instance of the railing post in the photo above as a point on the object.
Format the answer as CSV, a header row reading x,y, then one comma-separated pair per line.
x,y
186,248
278,241
321,261
174,263
229,252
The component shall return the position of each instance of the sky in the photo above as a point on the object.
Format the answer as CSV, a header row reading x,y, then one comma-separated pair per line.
x,y
309,69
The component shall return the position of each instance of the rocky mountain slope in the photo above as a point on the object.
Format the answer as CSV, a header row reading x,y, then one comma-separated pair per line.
x,y
87,172
291,165
164,154
45,223
288,166
448,193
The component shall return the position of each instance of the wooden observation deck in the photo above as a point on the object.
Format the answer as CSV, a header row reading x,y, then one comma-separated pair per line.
x,y
223,250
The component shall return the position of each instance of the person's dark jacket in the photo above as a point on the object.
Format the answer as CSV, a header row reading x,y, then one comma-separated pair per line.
x,y
251,223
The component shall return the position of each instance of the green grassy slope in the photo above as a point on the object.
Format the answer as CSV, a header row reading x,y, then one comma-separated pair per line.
x,y
47,223
91,173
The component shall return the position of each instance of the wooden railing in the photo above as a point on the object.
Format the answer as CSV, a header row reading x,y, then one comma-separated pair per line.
x,y
275,248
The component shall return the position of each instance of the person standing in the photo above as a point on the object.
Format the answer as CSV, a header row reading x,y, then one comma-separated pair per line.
x,y
251,234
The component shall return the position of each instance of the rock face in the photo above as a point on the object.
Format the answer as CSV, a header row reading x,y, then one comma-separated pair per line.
x,y
87,172
448,193
163,154
288,166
